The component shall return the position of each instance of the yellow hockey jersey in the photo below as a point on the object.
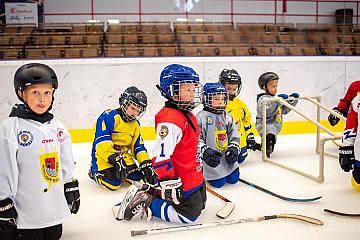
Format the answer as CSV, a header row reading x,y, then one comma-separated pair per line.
x,y
242,118
112,135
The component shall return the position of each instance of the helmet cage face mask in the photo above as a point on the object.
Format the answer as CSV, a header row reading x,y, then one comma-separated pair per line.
x,y
208,101
238,89
131,110
231,76
189,99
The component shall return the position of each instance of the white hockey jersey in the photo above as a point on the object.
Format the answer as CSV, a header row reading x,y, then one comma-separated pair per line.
x,y
35,162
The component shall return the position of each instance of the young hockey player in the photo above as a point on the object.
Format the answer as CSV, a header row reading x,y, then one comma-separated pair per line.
x,y
118,142
182,193
343,106
349,153
268,82
239,111
37,187
219,138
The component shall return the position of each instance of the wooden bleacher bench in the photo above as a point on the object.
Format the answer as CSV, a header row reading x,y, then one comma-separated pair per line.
x,y
203,27
134,27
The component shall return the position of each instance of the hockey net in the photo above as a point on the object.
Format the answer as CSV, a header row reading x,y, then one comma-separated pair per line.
x,y
320,140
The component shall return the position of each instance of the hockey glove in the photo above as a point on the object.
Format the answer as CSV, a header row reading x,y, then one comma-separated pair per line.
x,y
346,158
294,95
8,215
283,95
333,120
148,173
251,143
231,154
210,156
72,195
119,164
171,190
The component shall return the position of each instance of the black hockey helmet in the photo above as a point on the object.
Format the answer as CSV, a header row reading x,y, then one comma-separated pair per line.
x,y
265,78
231,76
132,95
34,73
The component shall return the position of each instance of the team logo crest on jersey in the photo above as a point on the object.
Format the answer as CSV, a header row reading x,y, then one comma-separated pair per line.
x,y
209,120
164,131
221,139
25,138
49,163
60,134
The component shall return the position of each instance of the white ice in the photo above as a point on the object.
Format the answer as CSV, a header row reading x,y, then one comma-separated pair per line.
x,y
95,219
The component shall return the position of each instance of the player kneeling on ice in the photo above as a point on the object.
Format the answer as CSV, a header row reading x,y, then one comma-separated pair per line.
x,y
118,142
231,80
37,187
219,138
274,110
182,193
349,153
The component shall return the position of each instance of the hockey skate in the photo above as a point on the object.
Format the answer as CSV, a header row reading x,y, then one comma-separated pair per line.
x,y
137,201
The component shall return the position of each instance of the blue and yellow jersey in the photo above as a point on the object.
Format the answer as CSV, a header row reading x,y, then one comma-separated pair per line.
x,y
112,135
242,118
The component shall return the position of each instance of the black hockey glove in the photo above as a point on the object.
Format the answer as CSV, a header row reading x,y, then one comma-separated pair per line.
x,y
346,158
231,154
333,120
72,195
8,215
251,143
210,156
171,190
147,172
119,164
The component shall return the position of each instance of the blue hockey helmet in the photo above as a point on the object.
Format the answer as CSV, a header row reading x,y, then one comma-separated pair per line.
x,y
210,90
171,79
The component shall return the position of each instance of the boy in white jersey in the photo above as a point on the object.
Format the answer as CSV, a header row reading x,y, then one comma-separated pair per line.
x,y
37,187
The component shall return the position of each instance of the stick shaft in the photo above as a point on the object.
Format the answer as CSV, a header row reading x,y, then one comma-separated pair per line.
x,y
217,194
277,195
228,222
355,215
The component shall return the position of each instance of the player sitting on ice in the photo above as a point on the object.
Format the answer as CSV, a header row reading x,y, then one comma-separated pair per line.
x,y
219,138
118,143
344,104
239,111
182,193
349,153
274,110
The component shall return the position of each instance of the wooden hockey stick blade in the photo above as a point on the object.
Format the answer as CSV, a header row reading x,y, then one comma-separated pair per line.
x,y
279,196
354,215
301,218
227,222
227,209
115,210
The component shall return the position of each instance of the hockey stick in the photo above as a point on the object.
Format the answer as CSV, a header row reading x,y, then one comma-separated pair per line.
x,y
227,209
354,215
279,196
228,222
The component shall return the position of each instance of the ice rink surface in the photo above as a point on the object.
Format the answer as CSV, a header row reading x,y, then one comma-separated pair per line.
x,y
95,219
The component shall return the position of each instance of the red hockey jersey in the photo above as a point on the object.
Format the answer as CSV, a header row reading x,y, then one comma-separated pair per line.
x,y
175,148
352,91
